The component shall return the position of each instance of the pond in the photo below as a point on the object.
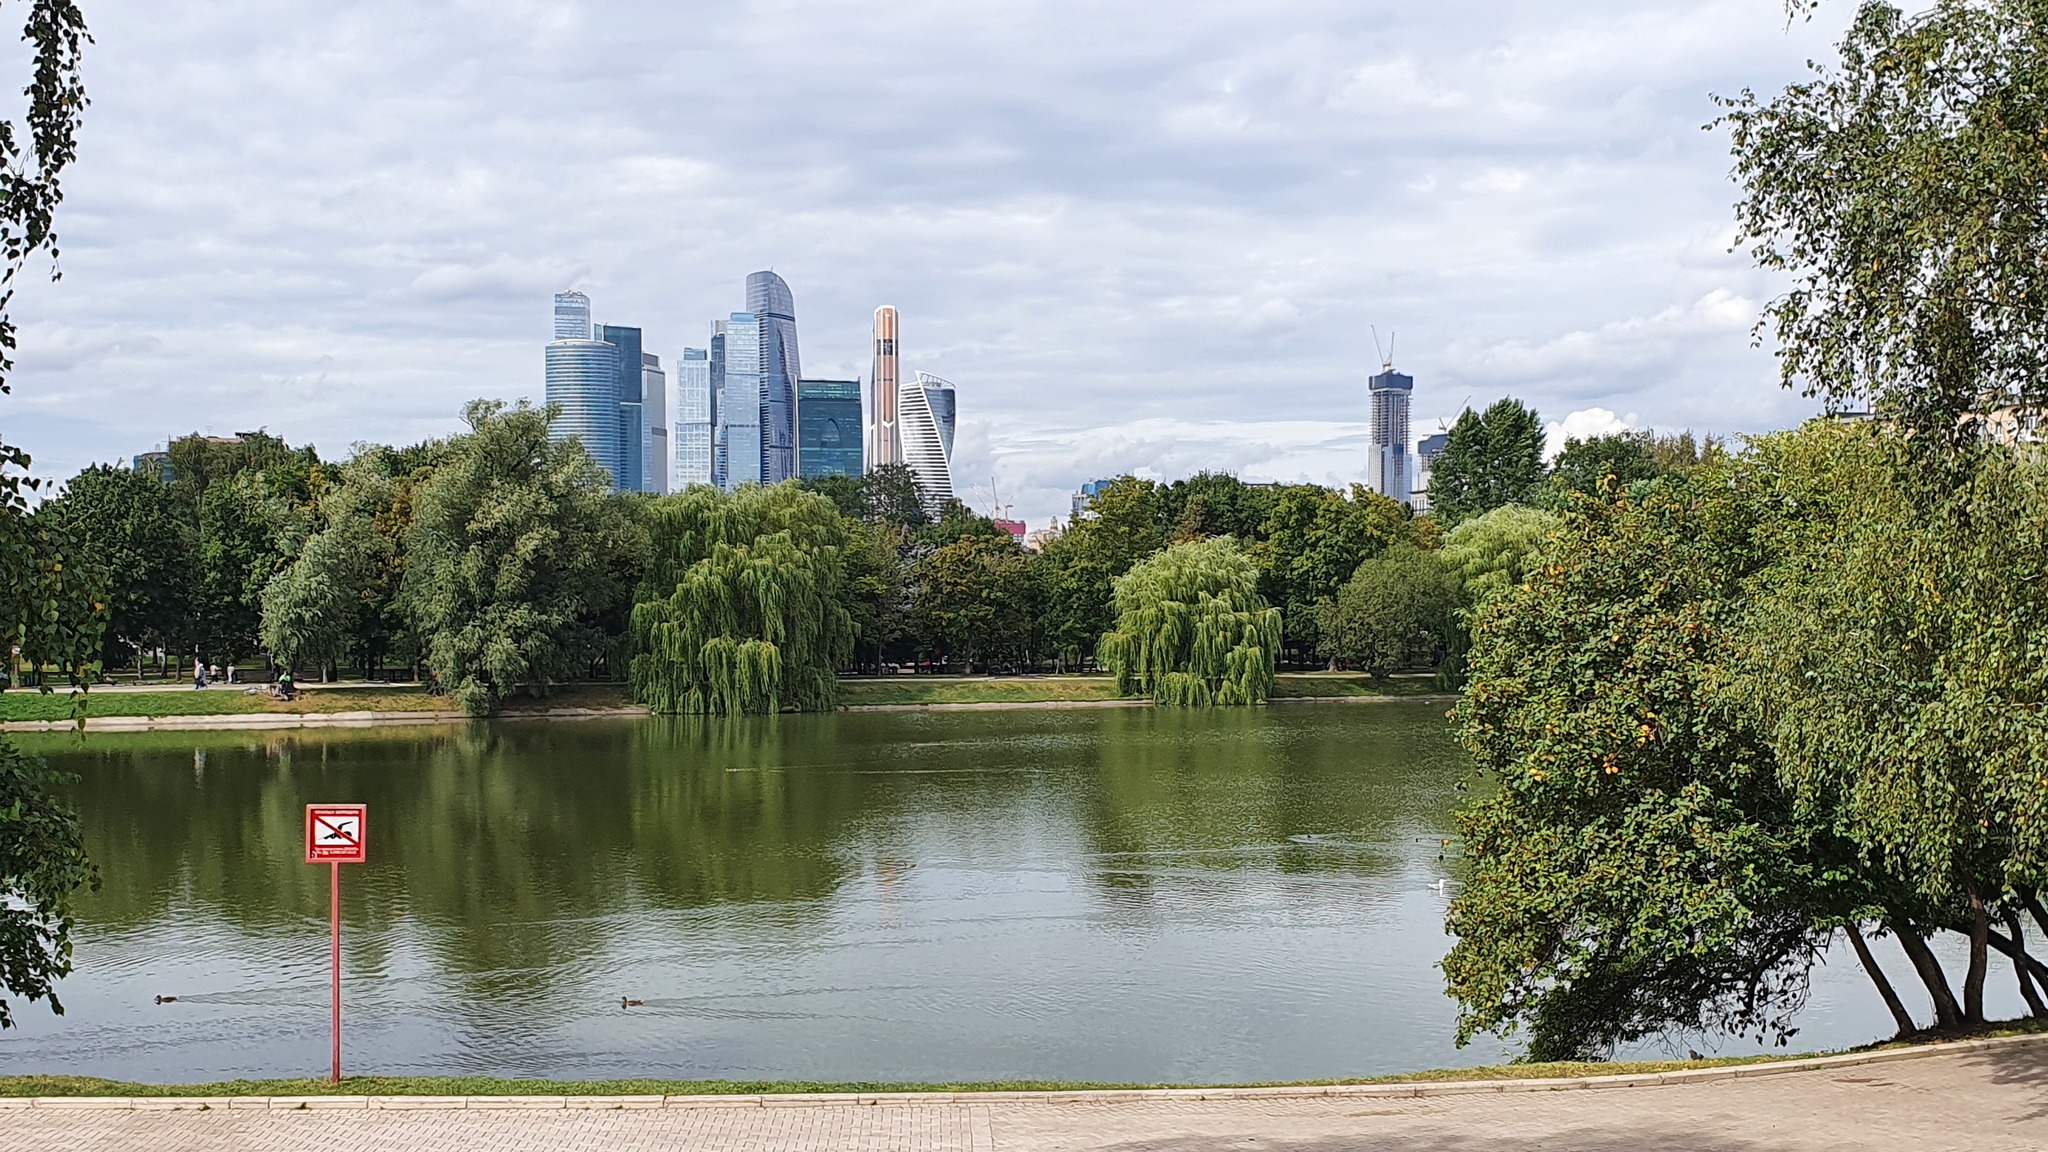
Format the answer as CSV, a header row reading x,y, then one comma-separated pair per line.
x,y
1087,894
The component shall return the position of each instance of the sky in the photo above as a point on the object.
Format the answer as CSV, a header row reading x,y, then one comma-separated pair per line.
x,y
1147,236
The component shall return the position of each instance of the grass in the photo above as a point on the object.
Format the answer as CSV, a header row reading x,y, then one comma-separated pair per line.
x,y
27,704
495,1086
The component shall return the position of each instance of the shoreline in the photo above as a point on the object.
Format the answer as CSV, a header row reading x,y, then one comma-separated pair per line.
x,y
15,1092
268,721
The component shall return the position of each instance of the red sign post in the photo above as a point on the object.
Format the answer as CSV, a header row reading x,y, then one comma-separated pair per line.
x,y
335,835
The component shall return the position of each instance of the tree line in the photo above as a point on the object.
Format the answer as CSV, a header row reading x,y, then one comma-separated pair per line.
x,y
498,562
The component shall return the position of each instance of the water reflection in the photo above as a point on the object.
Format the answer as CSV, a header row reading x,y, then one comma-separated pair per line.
x,y
1093,894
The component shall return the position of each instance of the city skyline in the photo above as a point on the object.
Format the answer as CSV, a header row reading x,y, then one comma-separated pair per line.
x,y
1107,243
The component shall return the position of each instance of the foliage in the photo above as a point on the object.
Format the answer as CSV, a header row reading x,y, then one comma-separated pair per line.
x,y
1495,550
1213,504
1588,467
128,527
1399,605
516,551
973,597
1079,570
1192,628
1314,539
247,535
742,610
199,463
1490,459
1638,868
1899,191
42,863
30,182
1894,649
891,495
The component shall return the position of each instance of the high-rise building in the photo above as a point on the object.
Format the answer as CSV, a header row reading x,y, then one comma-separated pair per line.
x,y
1389,470
829,433
768,298
1087,495
1426,451
739,404
583,382
882,442
626,390
654,457
717,394
927,446
572,316
694,420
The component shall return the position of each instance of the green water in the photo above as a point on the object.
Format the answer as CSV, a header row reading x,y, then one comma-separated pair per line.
x,y
1119,894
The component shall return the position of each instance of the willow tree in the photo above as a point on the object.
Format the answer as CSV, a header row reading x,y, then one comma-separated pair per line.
x,y
742,612
1192,628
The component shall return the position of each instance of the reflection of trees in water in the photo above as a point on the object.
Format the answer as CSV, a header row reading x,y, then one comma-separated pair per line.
x,y
514,845
1290,788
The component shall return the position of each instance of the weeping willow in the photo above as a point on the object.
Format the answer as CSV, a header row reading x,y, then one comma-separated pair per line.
x,y
1192,629
741,612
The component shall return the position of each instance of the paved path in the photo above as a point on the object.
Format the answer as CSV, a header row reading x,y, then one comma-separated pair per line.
x,y
1990,1100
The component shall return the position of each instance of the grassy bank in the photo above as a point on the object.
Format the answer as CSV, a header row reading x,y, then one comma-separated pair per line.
x,y
494,1086
28,704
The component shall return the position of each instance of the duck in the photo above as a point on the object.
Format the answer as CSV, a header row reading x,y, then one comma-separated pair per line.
x,y
625,1003
167,999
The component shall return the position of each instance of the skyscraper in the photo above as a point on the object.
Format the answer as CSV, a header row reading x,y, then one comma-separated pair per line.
x,y
882,441
927,445
654,458
693,419
572,316
739,405
583,379
626,391
717,395
768,298
1426,451
828,428
1388,467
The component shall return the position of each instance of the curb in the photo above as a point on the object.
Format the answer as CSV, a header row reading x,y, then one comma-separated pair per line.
x,y
269,721
1399,1091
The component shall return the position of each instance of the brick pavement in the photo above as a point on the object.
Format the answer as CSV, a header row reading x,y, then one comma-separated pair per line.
x,y
1993,1099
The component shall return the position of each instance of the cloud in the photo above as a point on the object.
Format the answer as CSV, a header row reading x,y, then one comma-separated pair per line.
x,y
1582,425
1150,236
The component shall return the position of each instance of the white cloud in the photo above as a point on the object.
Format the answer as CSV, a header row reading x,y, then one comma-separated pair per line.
x,y
1582,425
1145,236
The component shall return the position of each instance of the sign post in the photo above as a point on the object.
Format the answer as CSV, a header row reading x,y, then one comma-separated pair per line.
x,y
335,835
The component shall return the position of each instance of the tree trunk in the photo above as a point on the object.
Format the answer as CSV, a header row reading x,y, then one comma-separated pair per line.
x,y
1946,1013
2019,967
1884,985
2019,956
2033,903
1973,980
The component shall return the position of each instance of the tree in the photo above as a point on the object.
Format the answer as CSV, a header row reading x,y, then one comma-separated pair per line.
x,y
1192,628
743,608
973,597
1495,550
891,496
1490,459
1894,657
1399,605
1213,504
247,535
1611,460
129,527
1078,571
516,552
1638,868
1899,192
1315,538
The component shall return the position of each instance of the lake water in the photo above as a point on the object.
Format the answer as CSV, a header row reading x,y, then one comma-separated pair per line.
x,y
1124,895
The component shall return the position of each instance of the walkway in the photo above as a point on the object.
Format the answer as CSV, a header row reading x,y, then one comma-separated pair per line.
x,y
1986,1099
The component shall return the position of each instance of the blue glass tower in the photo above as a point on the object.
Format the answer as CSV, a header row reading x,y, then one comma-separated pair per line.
x,y
768,298
739,405
632,435
828,428
694,421
583,381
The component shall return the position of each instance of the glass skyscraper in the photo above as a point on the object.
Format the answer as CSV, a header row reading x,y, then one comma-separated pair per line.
x,y
828,428
769,300
717,395
654,456
583,380
572,316
927,443
740,403
883,440
693,419
626,392
1389,469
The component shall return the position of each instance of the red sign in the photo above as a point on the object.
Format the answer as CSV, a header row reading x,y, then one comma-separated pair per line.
x,y
334,833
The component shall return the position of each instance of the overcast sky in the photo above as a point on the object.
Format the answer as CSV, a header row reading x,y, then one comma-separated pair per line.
x,y
1140,236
